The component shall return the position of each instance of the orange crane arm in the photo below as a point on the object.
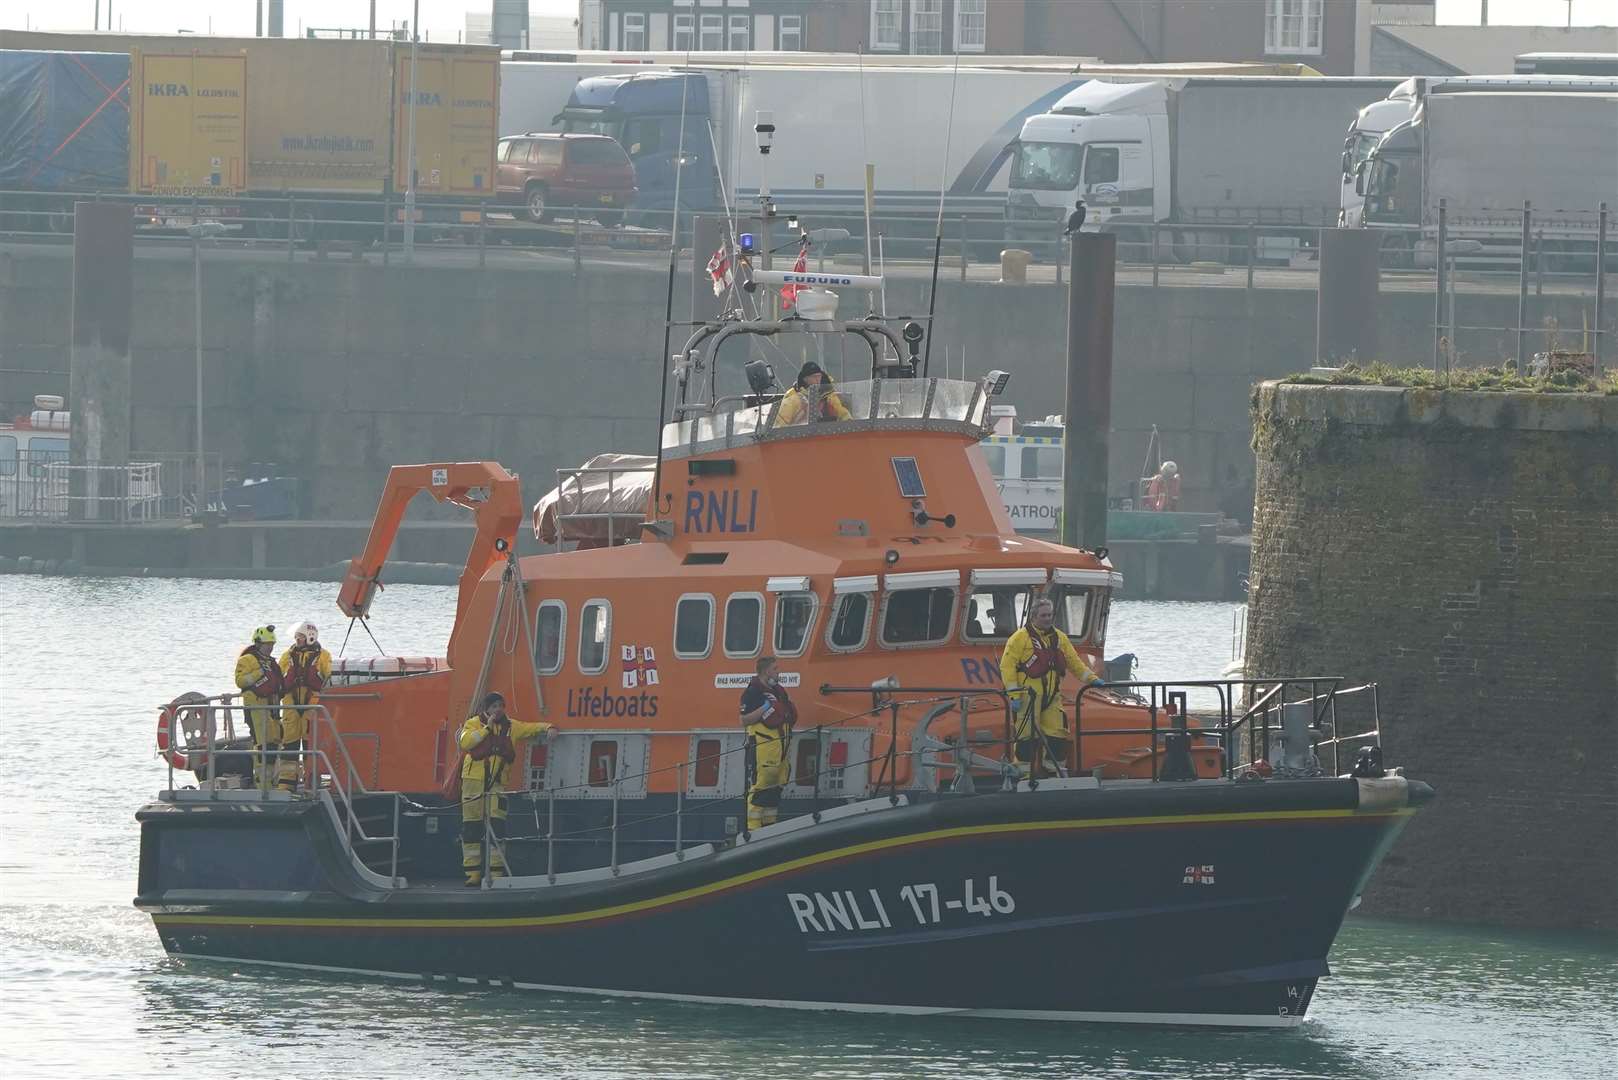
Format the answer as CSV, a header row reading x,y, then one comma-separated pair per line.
x,y
484,487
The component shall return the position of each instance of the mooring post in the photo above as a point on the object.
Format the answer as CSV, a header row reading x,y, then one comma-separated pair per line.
x,y
1091,276
99,370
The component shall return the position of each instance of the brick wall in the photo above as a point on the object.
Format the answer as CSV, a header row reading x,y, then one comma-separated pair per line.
x,y
1461,549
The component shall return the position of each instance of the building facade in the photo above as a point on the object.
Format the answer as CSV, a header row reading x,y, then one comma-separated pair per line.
x,y
705,25
1331,36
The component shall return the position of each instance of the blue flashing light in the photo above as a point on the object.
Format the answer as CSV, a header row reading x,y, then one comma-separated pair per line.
x,y
746,243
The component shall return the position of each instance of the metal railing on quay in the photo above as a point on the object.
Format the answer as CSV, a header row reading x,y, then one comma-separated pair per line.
x,y
46,485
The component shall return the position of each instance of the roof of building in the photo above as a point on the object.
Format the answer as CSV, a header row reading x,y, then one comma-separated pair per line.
x,y
1492,50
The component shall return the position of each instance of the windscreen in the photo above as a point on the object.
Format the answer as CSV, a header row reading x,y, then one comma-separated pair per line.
x,y
1046,166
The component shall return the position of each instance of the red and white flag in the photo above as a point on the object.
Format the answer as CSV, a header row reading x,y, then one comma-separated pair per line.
x,y
719,270
789,293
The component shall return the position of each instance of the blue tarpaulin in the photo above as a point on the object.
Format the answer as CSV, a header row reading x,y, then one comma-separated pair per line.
x,y
64,121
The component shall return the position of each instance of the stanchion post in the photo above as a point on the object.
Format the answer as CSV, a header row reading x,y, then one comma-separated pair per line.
x,y
1438,298
1601,284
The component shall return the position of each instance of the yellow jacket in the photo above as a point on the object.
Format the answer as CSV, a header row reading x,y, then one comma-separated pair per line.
x,y
792,407
251,670
1020,649
296,663
473,734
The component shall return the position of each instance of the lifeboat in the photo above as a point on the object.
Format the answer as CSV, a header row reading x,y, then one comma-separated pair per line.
x,y
1141,872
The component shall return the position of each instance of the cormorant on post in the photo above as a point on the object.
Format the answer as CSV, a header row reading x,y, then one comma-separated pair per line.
x,y
1075,220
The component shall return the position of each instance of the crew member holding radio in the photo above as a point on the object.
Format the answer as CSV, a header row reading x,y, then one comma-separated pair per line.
x,y
796,403
768,715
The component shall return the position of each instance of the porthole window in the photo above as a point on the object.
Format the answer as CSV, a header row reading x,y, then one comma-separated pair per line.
x,y
794,618
744,624
550,631
693,626
850,621
595,633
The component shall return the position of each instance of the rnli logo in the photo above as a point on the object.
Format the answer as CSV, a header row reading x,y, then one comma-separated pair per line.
x,y
730,511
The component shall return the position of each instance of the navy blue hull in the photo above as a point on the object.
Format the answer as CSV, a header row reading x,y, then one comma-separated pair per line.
x,y
1208,903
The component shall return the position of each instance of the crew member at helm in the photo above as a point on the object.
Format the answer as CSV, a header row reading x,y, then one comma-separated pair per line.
x,y
767,715
259,680
489,739
305,670
1031,667
796,403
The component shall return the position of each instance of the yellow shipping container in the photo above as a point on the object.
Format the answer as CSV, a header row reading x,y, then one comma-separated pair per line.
x,y
330,117
188,118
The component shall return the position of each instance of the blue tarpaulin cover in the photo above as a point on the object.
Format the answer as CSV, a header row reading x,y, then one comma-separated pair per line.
x,y
64,121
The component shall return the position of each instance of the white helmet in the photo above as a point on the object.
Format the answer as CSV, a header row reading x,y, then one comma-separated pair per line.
x,y
308,632
1169,468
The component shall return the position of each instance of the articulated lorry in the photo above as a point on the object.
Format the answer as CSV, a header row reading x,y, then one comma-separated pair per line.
x,y
832,118
1189,152
312,129
1484,154
64,133
1381,117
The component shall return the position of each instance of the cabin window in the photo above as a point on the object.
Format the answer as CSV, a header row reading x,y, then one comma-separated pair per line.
x,y
1101,607
917,616
807,765
744,624
794,616
706,774
550,629
850,622
603,762
595,631
1042,462
1072,607
693,626
994,612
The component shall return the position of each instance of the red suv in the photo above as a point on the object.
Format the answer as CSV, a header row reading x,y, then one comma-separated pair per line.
x,y
544,172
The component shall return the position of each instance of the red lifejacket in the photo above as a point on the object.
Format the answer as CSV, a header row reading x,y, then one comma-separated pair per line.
x,y
1046,657
272,684
305,673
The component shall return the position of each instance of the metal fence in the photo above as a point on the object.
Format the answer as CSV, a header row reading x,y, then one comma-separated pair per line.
x,y
45,485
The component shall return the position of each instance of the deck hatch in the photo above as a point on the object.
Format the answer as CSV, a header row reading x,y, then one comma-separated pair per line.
x,y
705,558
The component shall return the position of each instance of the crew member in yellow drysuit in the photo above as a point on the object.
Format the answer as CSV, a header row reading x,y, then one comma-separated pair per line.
x,y
796,402
305,671
1031,667
768,716
259,680
490,740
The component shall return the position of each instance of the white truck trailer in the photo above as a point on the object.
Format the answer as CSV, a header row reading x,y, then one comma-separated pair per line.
x,y
1380,117
1215,150
1486,153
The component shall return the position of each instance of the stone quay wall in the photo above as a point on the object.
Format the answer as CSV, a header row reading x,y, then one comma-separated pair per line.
x,y
1462,550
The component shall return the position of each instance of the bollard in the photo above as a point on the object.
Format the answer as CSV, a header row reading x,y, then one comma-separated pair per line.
x,y
1014,266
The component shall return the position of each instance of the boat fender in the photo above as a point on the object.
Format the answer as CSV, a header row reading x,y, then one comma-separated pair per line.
x,y
1378,795
186,712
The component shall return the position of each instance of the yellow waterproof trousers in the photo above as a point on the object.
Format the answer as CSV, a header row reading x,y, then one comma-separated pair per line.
x,y
474,801
770,773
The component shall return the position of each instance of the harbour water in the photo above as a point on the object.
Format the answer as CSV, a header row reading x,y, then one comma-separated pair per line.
x,y
88,991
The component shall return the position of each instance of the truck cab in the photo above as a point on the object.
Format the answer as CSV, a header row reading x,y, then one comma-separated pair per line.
x,y
1100,143
1372,122
1390,178
643,113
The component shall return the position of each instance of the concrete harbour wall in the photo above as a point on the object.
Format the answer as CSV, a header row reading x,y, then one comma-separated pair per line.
x,y
338,369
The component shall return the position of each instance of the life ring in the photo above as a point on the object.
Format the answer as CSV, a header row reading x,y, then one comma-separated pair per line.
x,y
169,743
